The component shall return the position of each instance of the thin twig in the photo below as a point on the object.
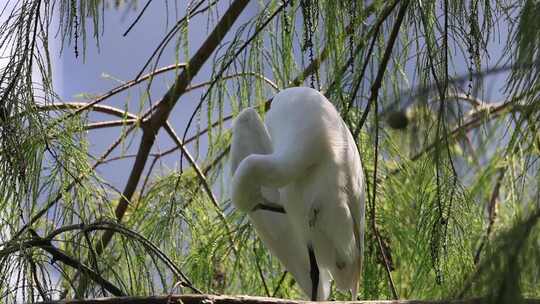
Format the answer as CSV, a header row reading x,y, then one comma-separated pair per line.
x,y
204,182
124,87
110,124
138,18
492,213
374,33
261,275
226,66
476,119
79,106
280,282
36,280
170,34
423,90
315,64
382,67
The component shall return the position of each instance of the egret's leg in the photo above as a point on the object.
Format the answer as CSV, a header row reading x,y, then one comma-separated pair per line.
x,y
314,272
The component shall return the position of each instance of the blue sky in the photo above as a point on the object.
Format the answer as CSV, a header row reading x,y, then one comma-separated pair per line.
x,y
121,58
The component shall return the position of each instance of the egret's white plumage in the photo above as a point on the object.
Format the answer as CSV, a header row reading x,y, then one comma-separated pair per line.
x,y
308,163
275,230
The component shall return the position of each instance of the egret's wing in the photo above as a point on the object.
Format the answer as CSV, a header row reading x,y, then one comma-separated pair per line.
x,y
274,229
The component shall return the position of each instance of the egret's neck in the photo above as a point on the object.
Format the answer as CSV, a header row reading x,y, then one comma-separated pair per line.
x,y
254,172
266,170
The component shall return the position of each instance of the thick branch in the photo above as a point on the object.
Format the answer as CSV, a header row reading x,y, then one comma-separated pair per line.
x,y
212,299
57,254
158,118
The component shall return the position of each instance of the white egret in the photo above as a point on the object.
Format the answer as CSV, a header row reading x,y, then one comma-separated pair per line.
x,y
315,167
251,137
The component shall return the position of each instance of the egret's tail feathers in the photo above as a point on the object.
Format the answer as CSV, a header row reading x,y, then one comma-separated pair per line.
x,y
348,277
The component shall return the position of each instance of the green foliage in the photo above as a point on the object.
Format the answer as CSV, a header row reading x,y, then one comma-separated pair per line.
x,y
456,193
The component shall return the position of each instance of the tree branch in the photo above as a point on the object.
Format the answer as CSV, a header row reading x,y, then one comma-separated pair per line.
x,y
126,86
476,119
59,255
159,117
110,124
213,299
374,33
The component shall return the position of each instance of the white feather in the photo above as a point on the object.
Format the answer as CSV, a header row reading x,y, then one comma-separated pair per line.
x,y
251,137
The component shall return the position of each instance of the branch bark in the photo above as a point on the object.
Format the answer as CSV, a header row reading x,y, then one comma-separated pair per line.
x,y
213,299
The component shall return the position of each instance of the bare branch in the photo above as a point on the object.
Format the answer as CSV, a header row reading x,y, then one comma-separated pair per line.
x,y
110,124
80,106
213,299
126,86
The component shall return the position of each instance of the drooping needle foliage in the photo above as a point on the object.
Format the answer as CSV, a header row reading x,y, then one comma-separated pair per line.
x,y
452,171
